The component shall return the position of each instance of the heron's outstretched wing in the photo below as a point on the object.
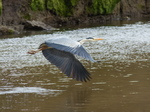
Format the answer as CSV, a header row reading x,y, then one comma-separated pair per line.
x,y
69,45
67,63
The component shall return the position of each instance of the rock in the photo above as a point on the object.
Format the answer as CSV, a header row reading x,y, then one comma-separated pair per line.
x,y
36,25
19,28
5,30
147,6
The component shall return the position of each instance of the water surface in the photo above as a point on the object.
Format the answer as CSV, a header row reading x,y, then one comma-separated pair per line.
x,y
120,83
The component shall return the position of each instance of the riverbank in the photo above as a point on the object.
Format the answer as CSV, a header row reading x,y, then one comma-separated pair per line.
x,y
17,14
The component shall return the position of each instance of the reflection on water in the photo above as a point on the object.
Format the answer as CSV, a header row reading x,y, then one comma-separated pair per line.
x,y
37,90
120,83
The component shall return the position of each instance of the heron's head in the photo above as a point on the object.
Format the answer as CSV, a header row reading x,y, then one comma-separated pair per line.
x,y
90,39
93,39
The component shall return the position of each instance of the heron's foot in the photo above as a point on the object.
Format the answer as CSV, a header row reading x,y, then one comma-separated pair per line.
x,y
32,52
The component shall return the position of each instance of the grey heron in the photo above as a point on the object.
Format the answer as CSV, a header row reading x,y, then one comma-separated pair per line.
x,y
61,51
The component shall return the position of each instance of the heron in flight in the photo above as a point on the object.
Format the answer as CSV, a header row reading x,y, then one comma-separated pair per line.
x,y
61,51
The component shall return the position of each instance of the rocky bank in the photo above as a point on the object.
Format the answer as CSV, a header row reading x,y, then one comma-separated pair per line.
x,y
17,14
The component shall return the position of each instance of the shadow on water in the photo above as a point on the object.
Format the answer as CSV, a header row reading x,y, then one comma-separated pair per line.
x,y
120,82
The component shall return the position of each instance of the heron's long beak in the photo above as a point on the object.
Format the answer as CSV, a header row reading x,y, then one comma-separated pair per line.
x,y
98,39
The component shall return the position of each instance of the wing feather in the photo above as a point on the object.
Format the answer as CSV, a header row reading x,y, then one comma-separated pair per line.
x,y
67,63
69,45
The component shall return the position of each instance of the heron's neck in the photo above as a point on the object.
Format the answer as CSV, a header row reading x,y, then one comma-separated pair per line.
x,y
83,41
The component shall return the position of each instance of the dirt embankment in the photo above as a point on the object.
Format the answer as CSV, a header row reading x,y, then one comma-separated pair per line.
x,y
15,13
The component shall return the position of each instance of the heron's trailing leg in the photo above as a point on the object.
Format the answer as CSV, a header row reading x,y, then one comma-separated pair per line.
x,y
41,47
34,51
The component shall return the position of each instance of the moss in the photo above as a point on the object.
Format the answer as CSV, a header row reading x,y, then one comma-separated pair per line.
x,y
0,7
27,16
62,7
74,2
4,30
38,5
65,7
101,6
140,6
58,6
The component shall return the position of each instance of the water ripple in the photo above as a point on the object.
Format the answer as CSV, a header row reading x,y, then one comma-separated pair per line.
x,y
37,90
127,43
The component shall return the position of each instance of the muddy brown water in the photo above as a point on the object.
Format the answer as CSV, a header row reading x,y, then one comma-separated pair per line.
x,y
120,83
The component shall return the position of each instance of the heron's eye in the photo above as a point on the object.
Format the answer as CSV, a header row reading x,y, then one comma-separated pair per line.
x,y
90,38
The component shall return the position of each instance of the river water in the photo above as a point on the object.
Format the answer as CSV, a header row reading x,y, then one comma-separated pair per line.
x,y
120,83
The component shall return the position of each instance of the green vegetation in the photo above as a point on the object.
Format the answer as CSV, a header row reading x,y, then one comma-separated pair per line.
x,y
27,16
101,7
62,7
0,7
74,2
59,7
140,6
38,5
65,7
6,30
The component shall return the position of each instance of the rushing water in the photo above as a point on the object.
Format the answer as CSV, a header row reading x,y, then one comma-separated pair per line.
x,y
120,83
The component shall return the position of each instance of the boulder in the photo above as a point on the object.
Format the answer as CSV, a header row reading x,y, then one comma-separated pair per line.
x,y
5,30
36,25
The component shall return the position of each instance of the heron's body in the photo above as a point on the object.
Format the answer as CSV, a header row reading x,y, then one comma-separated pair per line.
x,y
61,51
69,45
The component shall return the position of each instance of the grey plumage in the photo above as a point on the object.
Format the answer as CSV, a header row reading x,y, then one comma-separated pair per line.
x,y
69,45
67,63
61,51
